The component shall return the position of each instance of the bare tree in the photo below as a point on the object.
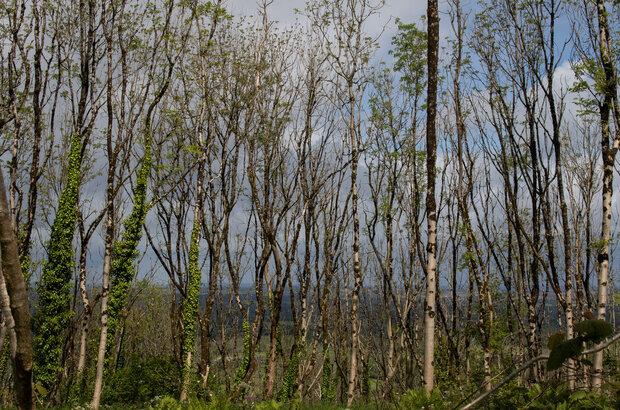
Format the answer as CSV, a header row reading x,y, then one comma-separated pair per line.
x,y
431,211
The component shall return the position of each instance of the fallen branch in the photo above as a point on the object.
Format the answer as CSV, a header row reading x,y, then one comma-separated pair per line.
x,y
530,362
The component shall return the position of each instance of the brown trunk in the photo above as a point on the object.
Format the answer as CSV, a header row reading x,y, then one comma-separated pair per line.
x,y
18,293
276,307
431,213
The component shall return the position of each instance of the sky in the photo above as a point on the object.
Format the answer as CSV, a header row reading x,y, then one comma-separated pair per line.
x,y
283,11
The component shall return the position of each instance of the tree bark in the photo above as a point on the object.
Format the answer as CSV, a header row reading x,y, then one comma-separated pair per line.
x,y
431,215
610,102
18,293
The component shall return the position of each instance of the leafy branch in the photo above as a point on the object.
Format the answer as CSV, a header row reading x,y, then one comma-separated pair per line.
x,y
588,330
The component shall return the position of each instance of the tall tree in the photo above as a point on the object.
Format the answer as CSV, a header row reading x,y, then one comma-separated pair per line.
x,y
203,143
11,274
350,53
609,111
431,212
12,277
119,257
53,316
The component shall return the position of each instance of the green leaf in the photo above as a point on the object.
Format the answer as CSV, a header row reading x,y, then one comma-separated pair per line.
x,y
617,298
578,395
555,339
569,349
40,389
593,330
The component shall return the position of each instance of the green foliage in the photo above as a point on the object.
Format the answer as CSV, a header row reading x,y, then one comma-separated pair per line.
x,y
142,380
167,403
569,349
125,252
511,396
288,382
593,330
269,405
419,399
560,397
25,262
410,54
54,314
245,365
190,304
170,403
327,392
562,350
556,339
590,81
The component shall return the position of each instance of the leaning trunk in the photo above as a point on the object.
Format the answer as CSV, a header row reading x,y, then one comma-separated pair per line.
x,y
18,293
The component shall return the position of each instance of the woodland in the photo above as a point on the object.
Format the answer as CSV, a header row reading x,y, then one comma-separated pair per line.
x,y
201,210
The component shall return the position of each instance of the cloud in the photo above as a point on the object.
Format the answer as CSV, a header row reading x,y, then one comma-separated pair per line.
x,y
381,23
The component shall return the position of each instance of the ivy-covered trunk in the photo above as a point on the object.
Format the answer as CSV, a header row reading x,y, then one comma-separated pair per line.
x,y
190,303
122,271
54,314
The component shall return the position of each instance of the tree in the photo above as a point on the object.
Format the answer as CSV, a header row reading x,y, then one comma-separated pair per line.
x,y
11,274
431,212
203,144
350,53
12,277
609,147
119,256
54,315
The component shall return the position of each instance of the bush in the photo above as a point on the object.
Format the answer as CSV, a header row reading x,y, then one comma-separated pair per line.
x,y
142,380
419,399
219,402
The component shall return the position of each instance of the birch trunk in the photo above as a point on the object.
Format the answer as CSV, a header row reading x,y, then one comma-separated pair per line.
x,y
431,215
610,102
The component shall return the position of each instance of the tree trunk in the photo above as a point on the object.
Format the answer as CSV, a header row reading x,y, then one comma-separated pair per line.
x,y
18,293
431,215
357,273
610,102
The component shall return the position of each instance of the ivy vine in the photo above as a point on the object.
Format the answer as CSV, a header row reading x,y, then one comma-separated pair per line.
x,y
328,390
245,365
125,251
54,314
290,374
190,304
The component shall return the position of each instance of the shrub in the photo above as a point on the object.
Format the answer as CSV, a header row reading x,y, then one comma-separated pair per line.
x,y
142,380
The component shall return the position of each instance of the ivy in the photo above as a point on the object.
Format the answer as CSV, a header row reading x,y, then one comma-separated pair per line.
x,y
25,261
190,304
125,251
54,314
327,390
245,365
286,390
